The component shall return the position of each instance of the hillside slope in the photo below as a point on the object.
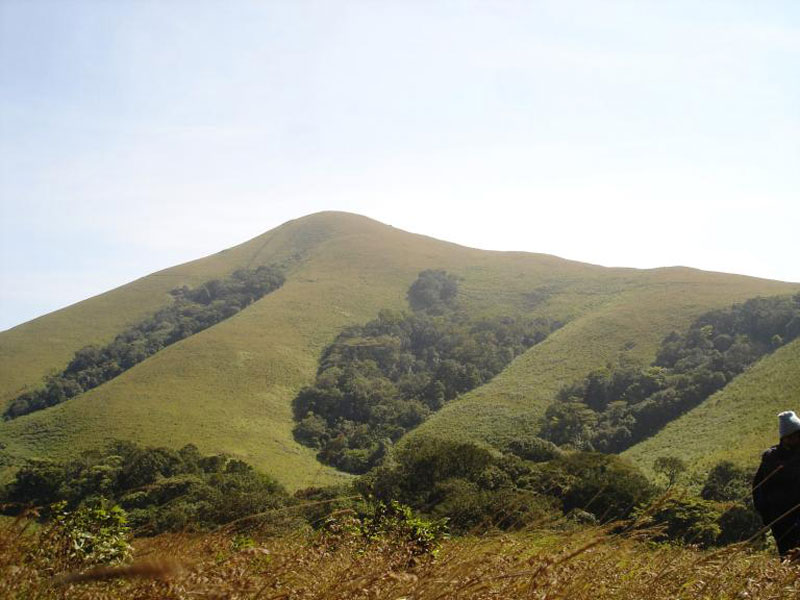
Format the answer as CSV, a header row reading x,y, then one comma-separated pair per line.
x,y
737,423
230,387
630,324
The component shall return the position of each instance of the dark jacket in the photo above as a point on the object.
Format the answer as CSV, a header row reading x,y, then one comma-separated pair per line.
x,y
776,486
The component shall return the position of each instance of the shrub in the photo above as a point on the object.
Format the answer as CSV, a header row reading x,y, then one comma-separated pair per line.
x,y
164,490
688,519
727,482
415,470
87,536
470,509
607,486
740,523
389,523
535,449
398,523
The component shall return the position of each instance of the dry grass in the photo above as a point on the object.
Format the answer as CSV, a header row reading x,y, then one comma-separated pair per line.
x,y
586,564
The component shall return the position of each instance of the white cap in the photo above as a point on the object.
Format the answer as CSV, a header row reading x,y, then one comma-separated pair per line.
x,y
788,423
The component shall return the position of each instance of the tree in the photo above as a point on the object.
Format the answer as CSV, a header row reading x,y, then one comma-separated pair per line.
x,y
434,291
688,519
727,482
670,467
603,484
569,423
380,379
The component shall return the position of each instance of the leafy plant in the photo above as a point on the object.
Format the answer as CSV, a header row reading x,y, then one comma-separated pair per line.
x,y
89,535
685,518
390,523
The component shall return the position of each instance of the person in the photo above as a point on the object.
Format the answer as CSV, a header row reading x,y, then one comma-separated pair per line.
x,y
776,485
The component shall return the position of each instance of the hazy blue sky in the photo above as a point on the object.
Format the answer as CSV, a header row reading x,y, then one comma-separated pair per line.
x,y
136,135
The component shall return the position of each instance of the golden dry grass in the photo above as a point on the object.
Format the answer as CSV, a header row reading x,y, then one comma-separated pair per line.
x,y
582,565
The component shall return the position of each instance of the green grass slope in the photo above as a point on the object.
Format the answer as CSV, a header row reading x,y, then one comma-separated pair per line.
x,y
230,387
627,317
44,345
737,423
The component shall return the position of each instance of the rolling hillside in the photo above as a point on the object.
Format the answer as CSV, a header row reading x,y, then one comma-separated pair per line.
x,y
230,387
631,324
737,423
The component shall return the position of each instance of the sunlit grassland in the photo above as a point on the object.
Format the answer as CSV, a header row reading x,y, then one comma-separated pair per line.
x,y
626,324
229,388
587,564
737,423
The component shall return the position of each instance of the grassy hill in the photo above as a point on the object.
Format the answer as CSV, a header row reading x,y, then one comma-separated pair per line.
x,y
631,323
737,423
229,388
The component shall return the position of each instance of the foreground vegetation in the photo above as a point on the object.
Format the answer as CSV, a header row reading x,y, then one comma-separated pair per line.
x,y
464,487
588,563
159,489
532,522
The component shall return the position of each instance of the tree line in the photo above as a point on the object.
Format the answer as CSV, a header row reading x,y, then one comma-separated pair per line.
x,y
469,487
191,311
378,380
612,409
159,488
532,482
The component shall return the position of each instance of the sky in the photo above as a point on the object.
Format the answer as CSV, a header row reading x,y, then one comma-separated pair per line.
x,y
137,135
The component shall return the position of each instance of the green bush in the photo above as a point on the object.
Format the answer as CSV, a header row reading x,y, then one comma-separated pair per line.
x,y
727,482
534,449
471,486
470,509
390,523
415,471
164,489
434,291
397,522
686,518
740,523
607,486
88,536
